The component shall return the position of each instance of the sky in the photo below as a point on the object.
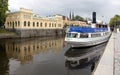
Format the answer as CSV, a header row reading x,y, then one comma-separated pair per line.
x,y
105,9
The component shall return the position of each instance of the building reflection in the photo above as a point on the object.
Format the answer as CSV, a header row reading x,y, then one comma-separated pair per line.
x,y
83,57
24,50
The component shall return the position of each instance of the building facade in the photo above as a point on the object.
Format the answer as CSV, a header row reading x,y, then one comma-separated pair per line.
x,y
27,24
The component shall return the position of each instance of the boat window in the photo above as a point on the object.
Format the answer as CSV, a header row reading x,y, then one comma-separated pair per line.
x,y
68,34
83,35
72,35
96,35
106,33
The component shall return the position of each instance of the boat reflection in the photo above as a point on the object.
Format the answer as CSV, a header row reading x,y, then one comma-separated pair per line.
x,y
24,49
83,57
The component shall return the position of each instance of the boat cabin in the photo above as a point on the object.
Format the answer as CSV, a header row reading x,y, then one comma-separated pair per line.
x,y
76,32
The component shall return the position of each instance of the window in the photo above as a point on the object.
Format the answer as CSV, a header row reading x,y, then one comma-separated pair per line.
x,y
28,23
96,35
33,24
11,24
24,23
72,35
37,24
41,24
106,33
18,23
8,24
45,24
83,35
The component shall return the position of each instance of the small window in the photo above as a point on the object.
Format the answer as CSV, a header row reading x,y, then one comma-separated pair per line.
x,y
8,24
72,35
96,35
24,23
18,23
11,24
83,35
45,24
41,24
37,24
28,23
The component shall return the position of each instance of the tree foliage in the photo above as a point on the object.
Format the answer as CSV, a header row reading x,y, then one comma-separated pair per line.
x,y
78,18
3,9
115,21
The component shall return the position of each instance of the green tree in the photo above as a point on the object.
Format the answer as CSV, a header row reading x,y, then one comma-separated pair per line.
x,y
115,21
3,9
78,18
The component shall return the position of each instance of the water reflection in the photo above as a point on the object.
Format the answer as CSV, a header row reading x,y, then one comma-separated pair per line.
x,y
83,57
45,56
24,50
4,67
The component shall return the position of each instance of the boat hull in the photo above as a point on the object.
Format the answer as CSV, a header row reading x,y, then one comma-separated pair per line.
x,y
86,42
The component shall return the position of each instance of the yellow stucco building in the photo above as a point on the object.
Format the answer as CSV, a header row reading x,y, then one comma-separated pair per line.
x,y
27,24
26,19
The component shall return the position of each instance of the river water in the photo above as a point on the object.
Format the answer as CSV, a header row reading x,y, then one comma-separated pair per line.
x,y
46,56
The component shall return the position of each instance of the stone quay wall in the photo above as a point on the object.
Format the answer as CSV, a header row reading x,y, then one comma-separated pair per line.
x,y
37,32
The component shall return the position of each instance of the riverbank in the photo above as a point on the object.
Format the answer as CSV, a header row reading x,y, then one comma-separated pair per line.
x,y
10,34
4,34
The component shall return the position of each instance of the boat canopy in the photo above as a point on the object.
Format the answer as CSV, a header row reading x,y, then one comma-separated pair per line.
x,y
87,30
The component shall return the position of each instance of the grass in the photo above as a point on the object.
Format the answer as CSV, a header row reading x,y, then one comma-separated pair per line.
x,y
4,31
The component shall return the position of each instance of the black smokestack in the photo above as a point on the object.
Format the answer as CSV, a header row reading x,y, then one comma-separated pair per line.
x,y
94,17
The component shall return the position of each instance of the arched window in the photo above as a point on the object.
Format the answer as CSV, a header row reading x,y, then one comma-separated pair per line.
x,y
15,23
41,24
33,24
8,24
24,23
11,24
28,23
45,24
37,24
49,24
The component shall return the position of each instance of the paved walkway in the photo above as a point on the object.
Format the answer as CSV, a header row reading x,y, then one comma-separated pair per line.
x,y
117,53
105,66
110,61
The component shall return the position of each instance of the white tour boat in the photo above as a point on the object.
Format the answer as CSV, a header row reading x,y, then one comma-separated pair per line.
x,y
86,36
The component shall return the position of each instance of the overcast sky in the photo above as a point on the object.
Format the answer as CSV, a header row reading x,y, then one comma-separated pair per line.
x,y
84,8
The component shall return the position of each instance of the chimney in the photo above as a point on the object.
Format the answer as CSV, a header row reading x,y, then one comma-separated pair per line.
x,y
94,17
